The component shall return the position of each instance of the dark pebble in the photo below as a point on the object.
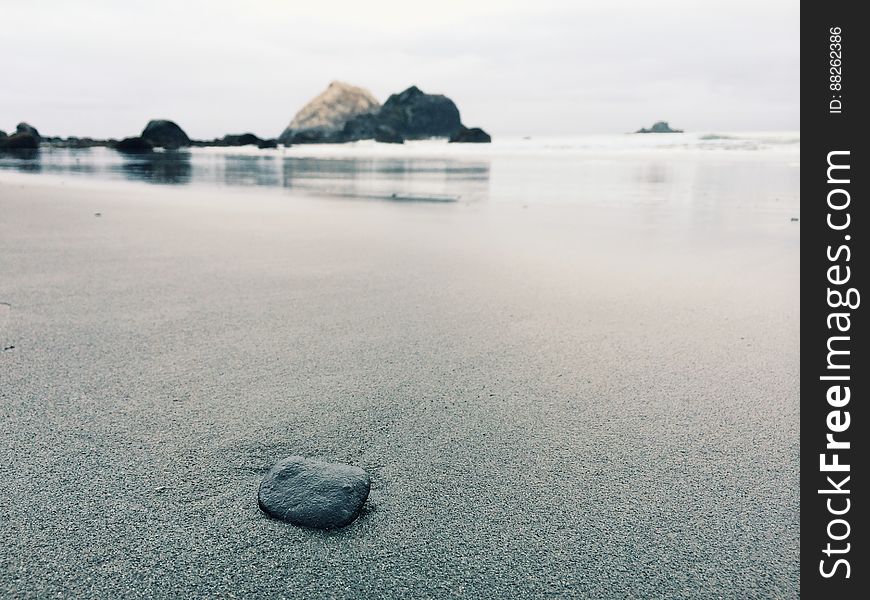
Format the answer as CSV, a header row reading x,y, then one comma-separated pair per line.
x,y
313,493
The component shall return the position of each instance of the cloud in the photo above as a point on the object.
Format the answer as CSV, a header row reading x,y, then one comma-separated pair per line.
x,y
104,68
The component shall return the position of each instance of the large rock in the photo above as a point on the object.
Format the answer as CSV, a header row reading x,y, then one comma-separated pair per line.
x,y
165,134
134,145
313,493
25,128
327,114
659,127
475,135
19,141
414,114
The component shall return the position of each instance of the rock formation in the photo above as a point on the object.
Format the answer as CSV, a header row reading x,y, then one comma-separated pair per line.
x,y
134,145
345,113
26,137
326,114
25,128
659,127
19,141
474,135
165,134
244,139
416,115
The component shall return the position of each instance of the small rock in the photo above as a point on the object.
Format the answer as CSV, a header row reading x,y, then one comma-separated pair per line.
x,y
134,145
313,493
474,135
243,139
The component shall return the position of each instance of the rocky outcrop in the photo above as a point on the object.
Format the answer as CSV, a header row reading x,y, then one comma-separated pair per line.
x,y
77,142
416,115
19,141
659,127
25,128
474,135
233,140
165,134
243,139
408,115
134,145
325,116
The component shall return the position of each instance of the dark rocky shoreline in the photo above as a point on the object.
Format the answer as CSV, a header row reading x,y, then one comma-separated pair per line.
x,y
341,114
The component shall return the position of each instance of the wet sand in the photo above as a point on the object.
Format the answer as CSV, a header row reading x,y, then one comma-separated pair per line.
x,y
552,401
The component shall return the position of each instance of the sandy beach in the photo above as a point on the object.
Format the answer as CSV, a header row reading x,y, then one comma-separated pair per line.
x,y
552,400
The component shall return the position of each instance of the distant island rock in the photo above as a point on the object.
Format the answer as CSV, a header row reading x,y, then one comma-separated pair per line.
x,y
659,127
324,117
345,113
165,134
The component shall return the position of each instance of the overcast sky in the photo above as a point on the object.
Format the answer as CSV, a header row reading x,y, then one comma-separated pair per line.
x,y
103,68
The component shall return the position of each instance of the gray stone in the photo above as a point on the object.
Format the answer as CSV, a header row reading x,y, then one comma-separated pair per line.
x,y
313,493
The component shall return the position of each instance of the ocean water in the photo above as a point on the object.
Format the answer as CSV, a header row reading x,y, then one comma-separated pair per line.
x,y
701,171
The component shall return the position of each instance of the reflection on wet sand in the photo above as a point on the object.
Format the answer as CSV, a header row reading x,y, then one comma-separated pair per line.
x,y
159,167
404,180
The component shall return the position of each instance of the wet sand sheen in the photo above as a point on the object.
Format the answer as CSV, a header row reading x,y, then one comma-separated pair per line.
x,y
558,400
